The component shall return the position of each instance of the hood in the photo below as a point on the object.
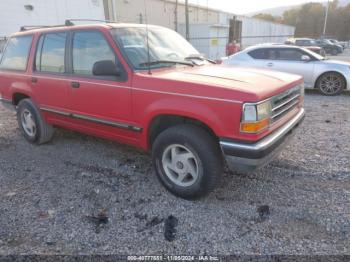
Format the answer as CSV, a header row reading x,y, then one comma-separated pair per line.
x,y
337,62
231,81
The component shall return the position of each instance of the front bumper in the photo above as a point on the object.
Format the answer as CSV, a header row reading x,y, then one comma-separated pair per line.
x,y
246,157
7,104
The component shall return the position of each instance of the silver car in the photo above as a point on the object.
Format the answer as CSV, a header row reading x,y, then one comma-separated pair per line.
x,y
331,77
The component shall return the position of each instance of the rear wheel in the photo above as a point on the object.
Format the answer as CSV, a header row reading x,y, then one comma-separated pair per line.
x,y
331,83
32,124
334,52
187,161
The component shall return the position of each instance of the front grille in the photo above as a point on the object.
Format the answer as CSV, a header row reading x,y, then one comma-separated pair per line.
x,y
285,102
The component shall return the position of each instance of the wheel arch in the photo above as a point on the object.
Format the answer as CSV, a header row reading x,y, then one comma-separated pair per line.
x,y
161,122
18,96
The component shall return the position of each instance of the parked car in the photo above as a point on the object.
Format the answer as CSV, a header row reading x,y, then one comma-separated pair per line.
x,y
158,94
329,47
336,42
331,77
307,43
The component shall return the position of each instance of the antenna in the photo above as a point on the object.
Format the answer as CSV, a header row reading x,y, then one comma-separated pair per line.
x,y
147,39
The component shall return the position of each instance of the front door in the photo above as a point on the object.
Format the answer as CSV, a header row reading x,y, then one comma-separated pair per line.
x,y
102,103
290,60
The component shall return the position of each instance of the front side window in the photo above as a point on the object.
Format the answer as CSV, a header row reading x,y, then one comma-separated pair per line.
x,y
88,48
289,54
50,53
16,53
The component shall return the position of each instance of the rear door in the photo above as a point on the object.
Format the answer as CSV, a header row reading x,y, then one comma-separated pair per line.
x,y
50,79
259,56
101,103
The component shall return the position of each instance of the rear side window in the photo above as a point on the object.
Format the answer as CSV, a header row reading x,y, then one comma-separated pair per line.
x,y
88,48
259,53
50,53
16,53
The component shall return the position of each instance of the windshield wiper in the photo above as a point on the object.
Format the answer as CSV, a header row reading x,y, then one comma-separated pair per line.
x,y
199,57
165,62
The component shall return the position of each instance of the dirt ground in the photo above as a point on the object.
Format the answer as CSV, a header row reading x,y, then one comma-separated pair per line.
x,y
80,194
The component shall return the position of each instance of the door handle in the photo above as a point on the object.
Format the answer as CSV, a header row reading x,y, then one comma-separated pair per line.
x,y
34,80
75,84
269,64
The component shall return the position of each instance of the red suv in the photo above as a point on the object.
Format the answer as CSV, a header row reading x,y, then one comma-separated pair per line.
x,y
148,87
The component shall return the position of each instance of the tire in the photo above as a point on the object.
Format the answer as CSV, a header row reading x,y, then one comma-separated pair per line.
x,y
331,84
172,159
33,126
334,52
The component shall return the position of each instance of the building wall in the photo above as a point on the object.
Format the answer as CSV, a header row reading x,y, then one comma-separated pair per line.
x,y
255,31
45,12
161,12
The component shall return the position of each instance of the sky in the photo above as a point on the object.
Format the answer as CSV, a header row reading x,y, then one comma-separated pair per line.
x,y
247,6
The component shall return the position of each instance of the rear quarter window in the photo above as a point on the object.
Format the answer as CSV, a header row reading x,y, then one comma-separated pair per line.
x,y
16,53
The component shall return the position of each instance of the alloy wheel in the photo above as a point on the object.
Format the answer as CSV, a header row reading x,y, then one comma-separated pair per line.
x,y
28,123
331,84
180,165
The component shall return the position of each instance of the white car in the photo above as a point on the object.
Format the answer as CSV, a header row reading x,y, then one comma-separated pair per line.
x,y
331,77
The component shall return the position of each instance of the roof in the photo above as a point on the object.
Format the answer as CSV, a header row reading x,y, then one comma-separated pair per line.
x,y
77,27
272,46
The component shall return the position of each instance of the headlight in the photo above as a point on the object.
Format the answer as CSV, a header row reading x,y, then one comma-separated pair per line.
x,y
255,117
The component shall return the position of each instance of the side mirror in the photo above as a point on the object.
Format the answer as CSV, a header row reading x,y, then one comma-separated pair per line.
x,y
305,58
105,68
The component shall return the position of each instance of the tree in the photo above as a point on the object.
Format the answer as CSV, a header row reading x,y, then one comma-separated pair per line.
x,y
290,17
309,20
268,17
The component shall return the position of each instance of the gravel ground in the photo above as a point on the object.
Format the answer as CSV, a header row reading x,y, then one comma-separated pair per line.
x,y
81,194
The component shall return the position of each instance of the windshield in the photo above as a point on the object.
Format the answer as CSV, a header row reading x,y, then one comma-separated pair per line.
x,y
165,46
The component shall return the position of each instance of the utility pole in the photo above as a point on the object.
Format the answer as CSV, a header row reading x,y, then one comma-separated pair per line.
x,y
325,20
175,14
187,21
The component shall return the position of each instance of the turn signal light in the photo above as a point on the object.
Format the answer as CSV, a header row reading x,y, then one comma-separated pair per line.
x,y
254,127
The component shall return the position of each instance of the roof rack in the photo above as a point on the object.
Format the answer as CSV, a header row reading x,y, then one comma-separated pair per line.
x,y
32,27
69,22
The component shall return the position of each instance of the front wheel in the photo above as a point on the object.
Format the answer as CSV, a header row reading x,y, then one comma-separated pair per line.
x,y
187,161
331,84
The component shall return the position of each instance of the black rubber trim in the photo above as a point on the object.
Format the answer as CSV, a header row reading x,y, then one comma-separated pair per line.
x,y
94,120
